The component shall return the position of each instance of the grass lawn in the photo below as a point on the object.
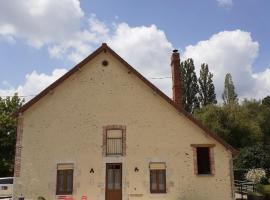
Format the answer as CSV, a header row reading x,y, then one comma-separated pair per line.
x,y
266,191
266,188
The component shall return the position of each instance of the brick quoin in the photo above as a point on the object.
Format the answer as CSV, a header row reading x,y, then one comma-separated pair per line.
x,y
18,151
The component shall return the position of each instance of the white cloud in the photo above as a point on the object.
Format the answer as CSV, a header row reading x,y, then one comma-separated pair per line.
x,y
262,84
39,22
225,2
231,52
82,42
34,83
144,47
57,24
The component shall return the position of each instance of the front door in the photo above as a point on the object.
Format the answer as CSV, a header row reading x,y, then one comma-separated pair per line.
x,y
113,181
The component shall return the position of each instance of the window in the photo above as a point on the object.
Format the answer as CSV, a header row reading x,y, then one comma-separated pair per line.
x,y
64,183
114,142
6,181
203,160
4,187
157,178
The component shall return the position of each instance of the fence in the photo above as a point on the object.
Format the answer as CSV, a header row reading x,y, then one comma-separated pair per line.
x,y
243,186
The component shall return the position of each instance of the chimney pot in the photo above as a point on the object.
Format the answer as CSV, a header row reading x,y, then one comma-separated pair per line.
x,y
175,50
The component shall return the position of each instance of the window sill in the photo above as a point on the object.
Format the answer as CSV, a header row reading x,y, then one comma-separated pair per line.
x,y
113,155
64,194
159,193
205,175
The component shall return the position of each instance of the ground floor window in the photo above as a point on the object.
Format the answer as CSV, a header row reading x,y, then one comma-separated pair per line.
x,y
64,182
157,178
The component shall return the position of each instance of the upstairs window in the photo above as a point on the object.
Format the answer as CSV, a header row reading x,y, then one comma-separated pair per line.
x,y
157,178
114,142
64,183
204,159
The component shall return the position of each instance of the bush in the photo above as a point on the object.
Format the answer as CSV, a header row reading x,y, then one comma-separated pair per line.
x,y
255,175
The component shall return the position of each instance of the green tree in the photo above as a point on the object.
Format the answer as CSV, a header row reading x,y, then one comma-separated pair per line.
x,y
255,156
8,133
266,101
232,123
259,111
265,123
207,93
189,86
229,95
213,116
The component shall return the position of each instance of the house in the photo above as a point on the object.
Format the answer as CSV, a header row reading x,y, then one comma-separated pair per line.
x,y
104,132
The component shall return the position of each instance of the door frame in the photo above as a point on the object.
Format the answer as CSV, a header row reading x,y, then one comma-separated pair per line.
x,y
106,178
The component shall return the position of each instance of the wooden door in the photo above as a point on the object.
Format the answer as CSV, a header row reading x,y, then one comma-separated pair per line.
x,y
113,181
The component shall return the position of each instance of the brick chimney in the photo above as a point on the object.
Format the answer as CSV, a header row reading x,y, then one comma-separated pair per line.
x,y
176,78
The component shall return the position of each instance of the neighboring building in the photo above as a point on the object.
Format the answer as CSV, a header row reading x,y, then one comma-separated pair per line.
x,y
104,132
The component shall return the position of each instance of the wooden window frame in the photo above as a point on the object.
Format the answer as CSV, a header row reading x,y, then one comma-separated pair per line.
x,y
66,192
114,127
158,171
211,158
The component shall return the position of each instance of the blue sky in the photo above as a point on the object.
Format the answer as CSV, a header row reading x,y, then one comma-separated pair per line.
x,y
41,40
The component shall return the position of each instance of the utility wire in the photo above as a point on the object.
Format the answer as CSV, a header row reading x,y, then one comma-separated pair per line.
x,y
160,77
32,95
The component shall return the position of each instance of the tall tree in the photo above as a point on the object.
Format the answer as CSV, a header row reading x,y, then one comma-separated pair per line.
x,y
266,101
8,133
229,95
265,122
207,93
189,86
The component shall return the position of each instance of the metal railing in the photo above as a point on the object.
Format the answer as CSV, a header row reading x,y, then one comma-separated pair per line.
x,y
114,146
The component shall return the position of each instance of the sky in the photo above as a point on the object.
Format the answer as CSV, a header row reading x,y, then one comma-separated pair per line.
x,y
40,40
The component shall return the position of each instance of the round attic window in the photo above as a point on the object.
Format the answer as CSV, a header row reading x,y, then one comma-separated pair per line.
x,y
105,63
